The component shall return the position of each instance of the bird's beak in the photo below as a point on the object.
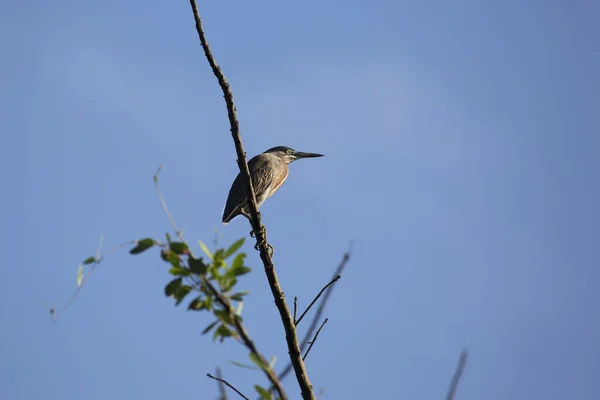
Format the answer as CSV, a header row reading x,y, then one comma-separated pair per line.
x,y
298,155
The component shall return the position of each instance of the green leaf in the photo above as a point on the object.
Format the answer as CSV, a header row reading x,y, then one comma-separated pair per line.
x,y
222,331
238,296
233,248
272,363
238,364
179,271
254,358
142,245
209,327
241,271
89,260
264,393
238,261
197,304
205,249
181,292
168,237
223,316
197,266
172,287
209,303
239,308
178,247
79,276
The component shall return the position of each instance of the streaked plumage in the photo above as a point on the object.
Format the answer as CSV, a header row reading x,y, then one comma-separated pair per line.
x,y
269,171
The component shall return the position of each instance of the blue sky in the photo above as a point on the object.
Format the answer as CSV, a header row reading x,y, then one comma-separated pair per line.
x,y
462,151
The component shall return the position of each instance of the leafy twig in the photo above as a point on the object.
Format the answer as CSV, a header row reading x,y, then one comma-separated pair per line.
x,y
315,338
315,299
257,226
226,304
462,361
228,384
55,316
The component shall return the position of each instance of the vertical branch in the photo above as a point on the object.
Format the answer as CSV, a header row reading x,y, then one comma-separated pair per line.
x,y
257,226
462,361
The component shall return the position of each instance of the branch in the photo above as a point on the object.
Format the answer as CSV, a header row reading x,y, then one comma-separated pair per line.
x,y
320,309
225,303
228,384
257,226
462,361
315,299
222,392
315,338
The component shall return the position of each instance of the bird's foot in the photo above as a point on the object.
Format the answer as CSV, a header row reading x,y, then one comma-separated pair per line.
x,y
263,231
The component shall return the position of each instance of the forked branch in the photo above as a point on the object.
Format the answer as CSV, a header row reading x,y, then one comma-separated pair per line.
x,y
257,226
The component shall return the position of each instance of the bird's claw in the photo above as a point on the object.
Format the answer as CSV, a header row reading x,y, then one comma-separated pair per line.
x,y
258,244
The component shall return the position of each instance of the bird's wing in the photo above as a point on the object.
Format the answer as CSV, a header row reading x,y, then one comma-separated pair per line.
x,y
262,175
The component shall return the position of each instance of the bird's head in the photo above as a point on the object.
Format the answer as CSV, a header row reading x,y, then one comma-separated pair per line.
x,y
290,155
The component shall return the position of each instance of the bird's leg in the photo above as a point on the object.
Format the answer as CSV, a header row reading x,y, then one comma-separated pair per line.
x,y
263,231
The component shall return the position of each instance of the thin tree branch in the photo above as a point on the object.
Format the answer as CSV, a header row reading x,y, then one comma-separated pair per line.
x,y
315,338
334,280
320,309
257,226
222,391
228,384
462,361
225,303
295,308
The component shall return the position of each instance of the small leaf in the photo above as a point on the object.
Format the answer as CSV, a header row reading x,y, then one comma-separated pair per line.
x,y
142,245
197,266
172,287
209,303
272,363
238,261
238,364
209,327
223,316
179,271
254,358
238,296
178,247
233,248
89,260
197,304
205,249
181,292
239,308
168,237
264,393
242,271
222,331
79,276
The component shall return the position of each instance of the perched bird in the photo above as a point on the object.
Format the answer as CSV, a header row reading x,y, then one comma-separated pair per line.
x,y
268,172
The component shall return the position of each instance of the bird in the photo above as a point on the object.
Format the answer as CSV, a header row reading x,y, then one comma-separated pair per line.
x,y
268,171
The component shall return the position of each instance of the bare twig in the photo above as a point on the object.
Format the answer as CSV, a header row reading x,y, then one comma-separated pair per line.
x,y
320,309
462,361
226,304
257,226
228,384
315,338
222,392
334,280
295,308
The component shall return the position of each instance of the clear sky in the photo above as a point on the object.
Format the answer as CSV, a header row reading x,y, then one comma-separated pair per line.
x,y
462,143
